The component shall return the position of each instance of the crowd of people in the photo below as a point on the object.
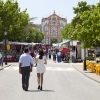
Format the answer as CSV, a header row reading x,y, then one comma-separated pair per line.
x,y
58,56
37,58
55,54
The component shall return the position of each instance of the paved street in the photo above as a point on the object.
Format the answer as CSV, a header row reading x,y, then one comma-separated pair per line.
x,y
61,82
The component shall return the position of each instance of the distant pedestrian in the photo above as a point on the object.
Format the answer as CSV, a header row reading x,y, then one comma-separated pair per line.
x,y
59,56
2,58
31,52
49,54
73,56
25,67
54,56
40,60
45,52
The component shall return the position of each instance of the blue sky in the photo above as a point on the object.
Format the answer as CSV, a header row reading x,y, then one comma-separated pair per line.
x,y
44,8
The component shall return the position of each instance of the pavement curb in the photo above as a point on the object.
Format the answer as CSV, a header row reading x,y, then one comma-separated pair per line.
x,y
86,75
5,67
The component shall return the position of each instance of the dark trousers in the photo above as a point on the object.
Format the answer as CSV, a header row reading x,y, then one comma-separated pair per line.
x,y
54,57
49,56
25,77
73,59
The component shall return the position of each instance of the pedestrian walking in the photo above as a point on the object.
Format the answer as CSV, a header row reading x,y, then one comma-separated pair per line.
x,y
0,58
54,56
2,53
49,54
40,60
59,56
25,67
45,52
73,56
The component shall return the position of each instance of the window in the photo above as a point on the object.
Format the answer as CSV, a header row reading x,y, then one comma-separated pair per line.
x,y
46,28
53,20
61,27
54,32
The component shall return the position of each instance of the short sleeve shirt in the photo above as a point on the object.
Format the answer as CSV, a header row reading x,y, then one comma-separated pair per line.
x,y
25,60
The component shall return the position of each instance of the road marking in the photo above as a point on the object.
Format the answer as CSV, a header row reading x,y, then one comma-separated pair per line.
x,y
60,69
50,68
16,68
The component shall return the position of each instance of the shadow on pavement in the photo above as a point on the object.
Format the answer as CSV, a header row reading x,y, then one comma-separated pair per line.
x,y
88,72
40,91
48,90
33,91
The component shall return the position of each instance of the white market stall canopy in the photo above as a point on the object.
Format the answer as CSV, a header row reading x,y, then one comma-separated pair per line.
x,y
60,44
18,43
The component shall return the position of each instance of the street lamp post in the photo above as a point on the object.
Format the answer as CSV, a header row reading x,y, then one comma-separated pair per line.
x,y
85,68
5,33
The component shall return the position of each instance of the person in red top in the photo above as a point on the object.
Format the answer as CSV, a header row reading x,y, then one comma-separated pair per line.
x,y
32,54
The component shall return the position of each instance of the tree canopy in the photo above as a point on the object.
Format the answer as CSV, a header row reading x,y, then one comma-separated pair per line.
x,y
85,26
12,20
17,23
31,34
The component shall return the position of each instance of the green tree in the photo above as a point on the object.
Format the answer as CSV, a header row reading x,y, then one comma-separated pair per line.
x,y
12,20
85,26
81,7
69,32
38,36
89,32
31,34
53,41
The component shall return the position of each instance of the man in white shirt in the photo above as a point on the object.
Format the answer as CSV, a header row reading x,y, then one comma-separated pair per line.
x,y
25,67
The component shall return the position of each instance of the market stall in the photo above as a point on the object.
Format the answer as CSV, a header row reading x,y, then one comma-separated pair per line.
x,y
14,50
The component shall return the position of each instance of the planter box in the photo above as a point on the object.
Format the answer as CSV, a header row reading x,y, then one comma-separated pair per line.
x,y
89,58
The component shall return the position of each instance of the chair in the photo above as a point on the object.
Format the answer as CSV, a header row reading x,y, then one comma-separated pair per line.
x,y
89,64
97,69
93,67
